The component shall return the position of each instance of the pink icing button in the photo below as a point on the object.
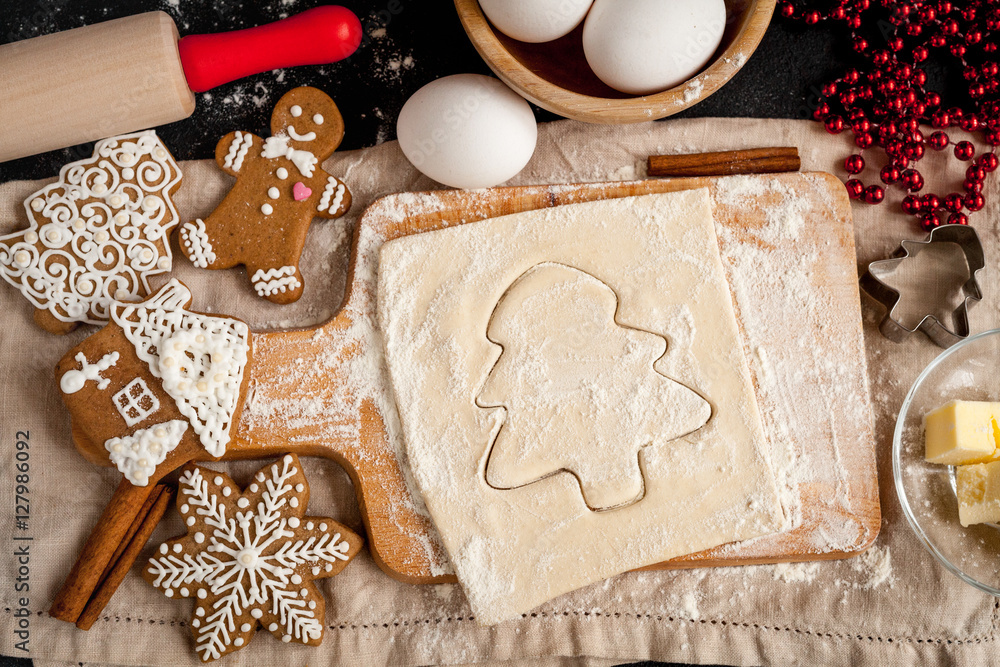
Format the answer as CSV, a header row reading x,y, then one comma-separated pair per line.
x,y
300,192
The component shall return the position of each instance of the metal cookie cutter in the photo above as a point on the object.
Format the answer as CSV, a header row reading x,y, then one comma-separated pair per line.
x,y
968,240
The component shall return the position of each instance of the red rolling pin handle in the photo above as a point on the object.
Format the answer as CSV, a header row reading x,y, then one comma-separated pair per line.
x,y
315,37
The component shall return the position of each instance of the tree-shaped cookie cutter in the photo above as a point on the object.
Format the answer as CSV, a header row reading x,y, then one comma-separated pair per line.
x,y
968,240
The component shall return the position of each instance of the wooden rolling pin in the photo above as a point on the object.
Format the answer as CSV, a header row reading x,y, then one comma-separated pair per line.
x,y
134,73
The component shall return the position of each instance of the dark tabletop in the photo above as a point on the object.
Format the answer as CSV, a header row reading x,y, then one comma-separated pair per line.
x,y
422,40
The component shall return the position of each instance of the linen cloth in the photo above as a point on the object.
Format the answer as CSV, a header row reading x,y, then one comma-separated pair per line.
x,y
892,606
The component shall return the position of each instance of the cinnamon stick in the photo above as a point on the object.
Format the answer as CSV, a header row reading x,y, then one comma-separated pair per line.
x,y
726,163
163,495
136,523
102,544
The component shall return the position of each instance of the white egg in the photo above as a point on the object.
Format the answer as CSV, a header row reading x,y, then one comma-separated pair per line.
x,y
467,131
535,20
647,46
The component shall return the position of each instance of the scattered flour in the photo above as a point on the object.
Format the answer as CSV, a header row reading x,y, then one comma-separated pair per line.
x,y
796,572
689,607
875,566
693,91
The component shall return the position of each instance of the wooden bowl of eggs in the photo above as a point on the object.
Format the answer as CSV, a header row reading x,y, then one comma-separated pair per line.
x,y
615,61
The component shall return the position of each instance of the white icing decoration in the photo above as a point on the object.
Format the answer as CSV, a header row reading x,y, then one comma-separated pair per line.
x,y
199,537
235,570
332,186
277,146
200,359
308,136
296,110
274,281
73,381
282,173
238,151
318,119
135,402
273,193
75,238
197,244
267,209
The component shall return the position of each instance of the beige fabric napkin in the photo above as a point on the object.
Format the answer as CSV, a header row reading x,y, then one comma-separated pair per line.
x,y
893,605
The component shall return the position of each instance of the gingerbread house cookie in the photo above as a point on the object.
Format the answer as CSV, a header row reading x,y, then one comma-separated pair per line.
x,y
280,187
156,377
96,235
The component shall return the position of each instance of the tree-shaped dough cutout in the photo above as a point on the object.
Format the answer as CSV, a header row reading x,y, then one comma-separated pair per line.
x,y
579,389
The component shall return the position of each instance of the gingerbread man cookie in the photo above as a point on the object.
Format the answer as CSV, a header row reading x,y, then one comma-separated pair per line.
x,y
249,558
280,187
96,235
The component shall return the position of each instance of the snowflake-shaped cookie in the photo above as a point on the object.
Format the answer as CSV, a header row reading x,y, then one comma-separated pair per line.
x,y
249,558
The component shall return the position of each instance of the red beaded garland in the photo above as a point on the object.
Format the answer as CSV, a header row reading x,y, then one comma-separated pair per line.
x,y
884,102
964,150
854,188
874,194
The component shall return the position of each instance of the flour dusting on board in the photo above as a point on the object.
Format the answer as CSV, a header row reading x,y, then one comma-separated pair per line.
x,y
334,415
810,401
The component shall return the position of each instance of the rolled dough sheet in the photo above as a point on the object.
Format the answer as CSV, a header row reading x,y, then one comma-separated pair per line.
x,y
515,548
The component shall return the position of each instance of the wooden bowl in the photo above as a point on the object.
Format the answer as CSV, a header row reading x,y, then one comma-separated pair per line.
x,y
555,75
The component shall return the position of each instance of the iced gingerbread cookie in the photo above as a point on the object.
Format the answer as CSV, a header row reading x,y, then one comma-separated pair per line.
x,y
250,557
156,378
280,187
96,235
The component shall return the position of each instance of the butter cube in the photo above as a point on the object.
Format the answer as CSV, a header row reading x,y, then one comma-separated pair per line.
x,y
961,432
978,489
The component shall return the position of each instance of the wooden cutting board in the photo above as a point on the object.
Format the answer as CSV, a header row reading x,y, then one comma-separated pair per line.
x,y
317,392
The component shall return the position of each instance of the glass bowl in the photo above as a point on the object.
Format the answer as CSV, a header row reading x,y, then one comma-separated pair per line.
x,y
970,370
